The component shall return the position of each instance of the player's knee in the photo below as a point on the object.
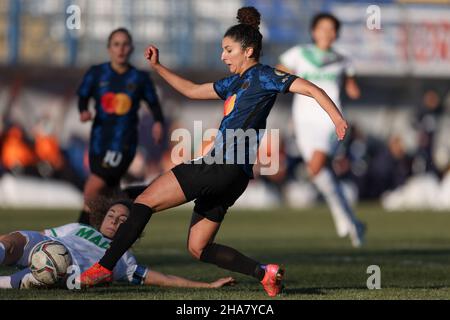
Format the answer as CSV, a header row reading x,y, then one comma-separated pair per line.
x,y
143,197
314,169
10,248
148,200
7,243
195,250
318,161
89,194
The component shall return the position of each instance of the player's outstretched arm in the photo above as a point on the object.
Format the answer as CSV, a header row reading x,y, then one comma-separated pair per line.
x,y
309,89
154,278
186,87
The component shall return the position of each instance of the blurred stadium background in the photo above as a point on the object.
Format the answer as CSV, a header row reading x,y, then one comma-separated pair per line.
x,y
398,151
397,157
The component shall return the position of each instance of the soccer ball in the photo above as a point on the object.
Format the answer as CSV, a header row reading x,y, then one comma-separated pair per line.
x,y
49,261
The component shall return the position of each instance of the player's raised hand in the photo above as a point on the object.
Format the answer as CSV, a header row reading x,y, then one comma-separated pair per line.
x,y
228,281
341,129
152,55
85,116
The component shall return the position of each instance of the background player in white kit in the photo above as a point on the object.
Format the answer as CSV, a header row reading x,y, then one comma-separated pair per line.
x,y
321,64
87,245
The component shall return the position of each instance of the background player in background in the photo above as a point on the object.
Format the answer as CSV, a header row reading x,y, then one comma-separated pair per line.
x,y
321,64
217,180
117,88
86,245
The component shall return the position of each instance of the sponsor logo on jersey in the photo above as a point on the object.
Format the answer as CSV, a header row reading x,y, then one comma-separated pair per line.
x,y
93,236
280,73
116,103
228,106
319,76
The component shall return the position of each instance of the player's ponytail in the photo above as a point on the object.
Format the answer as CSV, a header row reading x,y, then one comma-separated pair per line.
x,y
250,16
247,31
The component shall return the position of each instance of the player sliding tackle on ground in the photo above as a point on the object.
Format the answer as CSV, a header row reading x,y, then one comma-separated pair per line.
x,y
249,95
86,245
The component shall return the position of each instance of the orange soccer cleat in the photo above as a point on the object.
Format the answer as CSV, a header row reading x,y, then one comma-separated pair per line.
x,y
95,275
273,278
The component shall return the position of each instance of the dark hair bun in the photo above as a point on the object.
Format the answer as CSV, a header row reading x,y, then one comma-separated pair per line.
x,y
250,16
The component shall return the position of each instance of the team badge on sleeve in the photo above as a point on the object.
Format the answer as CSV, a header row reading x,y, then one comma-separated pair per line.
x,y
280,73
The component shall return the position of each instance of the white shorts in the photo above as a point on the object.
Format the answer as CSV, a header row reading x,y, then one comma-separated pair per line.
x,y
314,131
313,137
33,238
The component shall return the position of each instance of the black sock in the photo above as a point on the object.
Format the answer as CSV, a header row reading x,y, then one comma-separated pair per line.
x,y
134,191
127,234
260,271
84,217
230,259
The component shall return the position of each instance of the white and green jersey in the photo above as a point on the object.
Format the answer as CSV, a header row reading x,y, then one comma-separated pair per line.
x,y
87,246
313,127
325,69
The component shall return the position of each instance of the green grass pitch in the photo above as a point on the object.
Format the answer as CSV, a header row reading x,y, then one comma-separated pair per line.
x,y
411,248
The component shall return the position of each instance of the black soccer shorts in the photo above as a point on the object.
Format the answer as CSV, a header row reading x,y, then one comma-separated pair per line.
x,y
215,187
110,171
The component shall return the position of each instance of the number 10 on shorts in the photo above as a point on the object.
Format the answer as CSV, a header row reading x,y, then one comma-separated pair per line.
x,y
112,158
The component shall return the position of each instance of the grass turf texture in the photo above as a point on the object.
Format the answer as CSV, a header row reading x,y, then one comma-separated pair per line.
x,y
412,250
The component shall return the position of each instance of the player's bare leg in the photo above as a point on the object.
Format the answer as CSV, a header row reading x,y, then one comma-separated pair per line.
x,y
202,232
317,162
11,251
94,187
11,248
163,193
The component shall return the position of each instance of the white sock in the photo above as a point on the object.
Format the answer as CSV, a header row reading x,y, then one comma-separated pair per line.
x,y
333,193
5,282
2,253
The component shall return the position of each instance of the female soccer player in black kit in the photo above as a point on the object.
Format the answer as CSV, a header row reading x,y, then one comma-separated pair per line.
x,y
249,95
117,88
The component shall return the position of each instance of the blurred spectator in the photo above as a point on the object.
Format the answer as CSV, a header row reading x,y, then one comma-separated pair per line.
x,y
47,150
39,156
76,156
375,166
17,154
51,160
426,123
389,168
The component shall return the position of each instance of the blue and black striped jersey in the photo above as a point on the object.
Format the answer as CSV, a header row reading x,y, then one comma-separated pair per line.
x,y
117,99
248,100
